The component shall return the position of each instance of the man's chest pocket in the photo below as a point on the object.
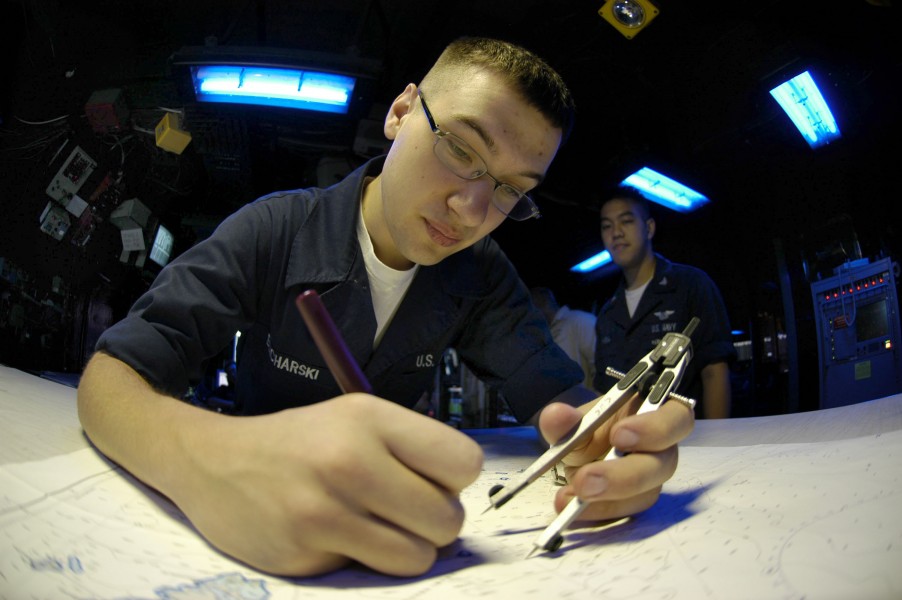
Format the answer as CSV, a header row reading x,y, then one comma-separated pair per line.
x,y
408,377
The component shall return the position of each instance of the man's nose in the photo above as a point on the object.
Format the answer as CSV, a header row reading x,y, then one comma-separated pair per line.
x,y
473,200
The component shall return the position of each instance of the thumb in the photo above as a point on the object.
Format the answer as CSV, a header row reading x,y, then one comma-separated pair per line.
x,y
558,420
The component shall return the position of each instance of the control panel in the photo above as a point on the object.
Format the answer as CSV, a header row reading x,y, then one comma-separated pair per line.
x,y
857,319
71,176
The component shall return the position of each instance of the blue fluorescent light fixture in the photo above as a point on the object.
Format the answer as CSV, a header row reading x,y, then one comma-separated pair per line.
x,y
809,112
271,86
277,78
595,262
665,191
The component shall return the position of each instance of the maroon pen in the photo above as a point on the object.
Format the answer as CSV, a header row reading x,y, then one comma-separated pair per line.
x,y
333,348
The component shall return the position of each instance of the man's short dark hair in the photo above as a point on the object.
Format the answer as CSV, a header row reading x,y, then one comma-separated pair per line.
x,y
541,86
631,195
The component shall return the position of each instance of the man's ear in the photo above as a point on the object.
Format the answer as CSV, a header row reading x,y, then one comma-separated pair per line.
x,y
650,226
399,109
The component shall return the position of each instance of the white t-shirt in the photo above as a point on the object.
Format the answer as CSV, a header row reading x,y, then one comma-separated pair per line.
x,y
633,297
387,285
574,331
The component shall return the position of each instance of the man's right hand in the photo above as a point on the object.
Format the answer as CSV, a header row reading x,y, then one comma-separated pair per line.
x,y
299,492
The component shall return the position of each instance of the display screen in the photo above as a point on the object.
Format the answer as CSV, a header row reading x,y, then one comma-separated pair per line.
x,y
162,246
871,321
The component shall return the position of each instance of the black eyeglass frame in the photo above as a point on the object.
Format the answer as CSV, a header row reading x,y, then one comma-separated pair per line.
x,y
532,210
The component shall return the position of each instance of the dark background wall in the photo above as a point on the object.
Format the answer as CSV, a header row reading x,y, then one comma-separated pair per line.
x,y
688,96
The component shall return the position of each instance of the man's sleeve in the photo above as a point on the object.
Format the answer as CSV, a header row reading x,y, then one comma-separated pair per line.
x,y
508,344
195,305
714,340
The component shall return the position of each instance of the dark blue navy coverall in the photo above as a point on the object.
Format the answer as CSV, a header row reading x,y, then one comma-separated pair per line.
x,y
675,294
245,277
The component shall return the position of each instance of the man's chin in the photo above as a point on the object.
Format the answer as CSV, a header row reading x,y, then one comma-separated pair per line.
x,y
434,254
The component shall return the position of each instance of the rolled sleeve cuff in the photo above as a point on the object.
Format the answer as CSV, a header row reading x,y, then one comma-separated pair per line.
x,y
139,344
538,381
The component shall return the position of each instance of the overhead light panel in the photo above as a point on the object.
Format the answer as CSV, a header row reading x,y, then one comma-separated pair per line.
x,y
665,191
806,107
289,88
629,17
283,78
593,262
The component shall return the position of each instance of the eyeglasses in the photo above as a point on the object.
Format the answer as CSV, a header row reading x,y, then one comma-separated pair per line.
x,y
463,161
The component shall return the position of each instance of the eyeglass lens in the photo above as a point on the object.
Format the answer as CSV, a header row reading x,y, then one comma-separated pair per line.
x,y
466,163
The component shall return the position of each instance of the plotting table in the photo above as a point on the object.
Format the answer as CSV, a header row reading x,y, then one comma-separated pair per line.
x,y
795,506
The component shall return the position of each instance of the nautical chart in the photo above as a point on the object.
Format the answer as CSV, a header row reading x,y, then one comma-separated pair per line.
x,y
774,521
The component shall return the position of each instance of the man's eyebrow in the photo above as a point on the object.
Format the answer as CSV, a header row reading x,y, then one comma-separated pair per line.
x,y
489,141
476,126
626,213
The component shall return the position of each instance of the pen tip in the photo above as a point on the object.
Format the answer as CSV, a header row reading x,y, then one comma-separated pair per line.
x,y
488,508
533,551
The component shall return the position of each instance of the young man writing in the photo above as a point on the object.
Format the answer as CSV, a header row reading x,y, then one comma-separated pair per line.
x,y
310,478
